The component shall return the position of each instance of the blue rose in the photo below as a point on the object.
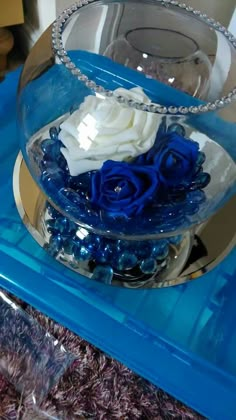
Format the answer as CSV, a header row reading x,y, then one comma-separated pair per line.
x,y
174,157
123,189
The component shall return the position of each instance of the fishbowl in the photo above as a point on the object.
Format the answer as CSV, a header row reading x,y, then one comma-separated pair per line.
x,y
126,119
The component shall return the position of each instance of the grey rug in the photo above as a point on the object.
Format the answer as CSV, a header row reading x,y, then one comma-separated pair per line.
x,y
94,387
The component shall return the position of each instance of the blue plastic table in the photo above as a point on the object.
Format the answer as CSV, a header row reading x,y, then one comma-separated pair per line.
x,y
182,339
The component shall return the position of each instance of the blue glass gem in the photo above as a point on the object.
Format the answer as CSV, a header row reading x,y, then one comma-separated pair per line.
x,y
52,150
46,165
106,254
148,266
156,250
103,273
191,209
201,158
142,251
68,247
123,245
96,241
197,197
65,226
53,132
51,227
55,245
163,254
80,183
70,195
52,211
52,180
62,163
177,128
46,146
82,254
201,181
126,261
175,240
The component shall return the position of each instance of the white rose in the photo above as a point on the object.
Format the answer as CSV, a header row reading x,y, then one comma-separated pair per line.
x,y
102,129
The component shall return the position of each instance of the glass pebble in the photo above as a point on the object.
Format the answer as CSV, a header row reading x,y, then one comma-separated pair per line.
x,y
126,261
62,163
105,254
201,181
83,254
201,158
191,209
125,245
156,250
50,224
52,211
52,150
80,183
177,128
163,254
148,266
53,132
52,180
70,195
46,146
142,249
65,226
175,240
55,245
68,247
197,197
103,273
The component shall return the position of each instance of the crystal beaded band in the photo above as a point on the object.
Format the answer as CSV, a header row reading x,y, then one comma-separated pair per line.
x,y
61,53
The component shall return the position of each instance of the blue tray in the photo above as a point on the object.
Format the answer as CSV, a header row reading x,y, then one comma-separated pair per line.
x,y
182,339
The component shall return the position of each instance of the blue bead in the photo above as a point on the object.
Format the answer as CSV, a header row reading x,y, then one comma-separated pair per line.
x,y
50,224
71,196
53,132
126,261
156,250
68,247
55,245
52,180
96,241
201,159
62,163
52,151
106,254
123,245
46,146
65,226
83,254
175,240
52,211
177,128
191,209
201,181
81,183
103,273
196,197
163,254
148,266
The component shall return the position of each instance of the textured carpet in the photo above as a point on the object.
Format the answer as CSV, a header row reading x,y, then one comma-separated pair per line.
x,y
94,387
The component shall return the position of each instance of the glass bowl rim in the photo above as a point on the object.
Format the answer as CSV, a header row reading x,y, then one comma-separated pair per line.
x,y
61,53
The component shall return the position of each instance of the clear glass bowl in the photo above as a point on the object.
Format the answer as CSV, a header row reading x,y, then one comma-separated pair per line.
x,y
127,124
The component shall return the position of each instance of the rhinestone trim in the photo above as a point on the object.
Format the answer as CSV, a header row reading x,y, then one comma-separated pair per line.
x,y
57,45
